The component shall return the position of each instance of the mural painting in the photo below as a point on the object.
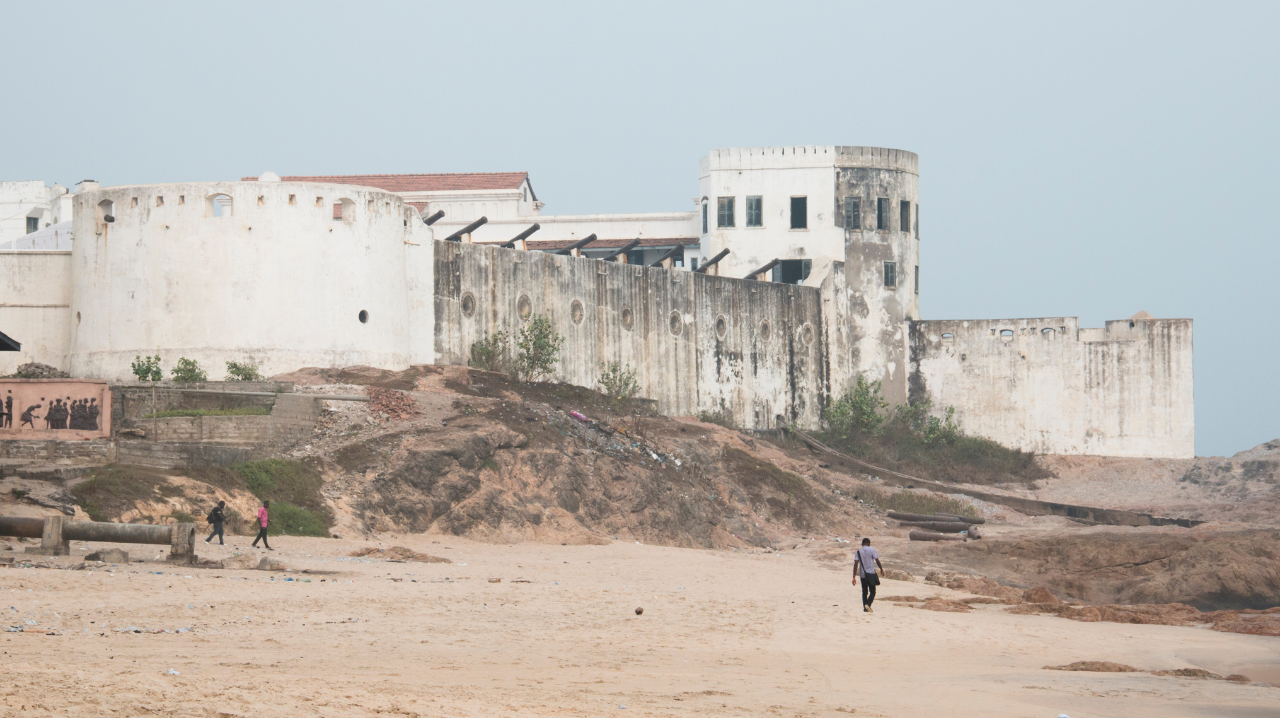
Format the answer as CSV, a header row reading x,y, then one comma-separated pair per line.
x,y
54,409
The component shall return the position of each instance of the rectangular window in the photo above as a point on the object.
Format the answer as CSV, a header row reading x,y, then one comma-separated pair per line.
x,y
704,217
917,279
755,211
792,271
904,222
853,213
882,213
724,212
890,274
917,221
636,256
693,264
33,223
799,212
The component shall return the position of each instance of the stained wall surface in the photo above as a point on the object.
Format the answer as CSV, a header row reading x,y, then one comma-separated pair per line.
x,y
1048,386
35,306
750,350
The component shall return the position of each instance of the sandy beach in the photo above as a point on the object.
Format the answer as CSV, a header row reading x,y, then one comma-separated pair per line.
x,y
722,633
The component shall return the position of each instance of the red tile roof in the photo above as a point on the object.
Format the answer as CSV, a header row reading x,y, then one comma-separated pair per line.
x,y
420,183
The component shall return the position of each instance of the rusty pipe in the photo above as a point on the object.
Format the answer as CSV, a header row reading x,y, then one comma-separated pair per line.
x,y
950,518
21,527
945,527
932,536
104,531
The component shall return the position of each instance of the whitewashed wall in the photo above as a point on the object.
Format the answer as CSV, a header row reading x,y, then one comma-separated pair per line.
x,y
1050,387
35,299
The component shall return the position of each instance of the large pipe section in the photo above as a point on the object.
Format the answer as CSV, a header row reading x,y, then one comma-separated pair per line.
x,y
21,527
932,536
56,534
457,236
106,532
900,516
945,527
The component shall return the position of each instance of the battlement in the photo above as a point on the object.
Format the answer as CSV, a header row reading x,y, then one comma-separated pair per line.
x,y
800,156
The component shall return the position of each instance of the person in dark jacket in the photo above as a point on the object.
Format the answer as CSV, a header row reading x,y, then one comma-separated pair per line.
x,y
216,518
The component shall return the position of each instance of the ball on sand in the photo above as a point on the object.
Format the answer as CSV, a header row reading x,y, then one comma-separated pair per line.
x,y
639,611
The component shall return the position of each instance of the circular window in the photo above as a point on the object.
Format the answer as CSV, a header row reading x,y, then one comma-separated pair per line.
x,y
576,312
524,307
722,326
625,316
764,330
675,323
806,334
364,317
468,305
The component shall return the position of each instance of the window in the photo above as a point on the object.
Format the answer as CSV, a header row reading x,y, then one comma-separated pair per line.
x,y
917,279
853,213
218,205
882,213
917,221
904,221
799,212
637,256
755,211
891,274
33,223
693,264
704,217
724,211
792,271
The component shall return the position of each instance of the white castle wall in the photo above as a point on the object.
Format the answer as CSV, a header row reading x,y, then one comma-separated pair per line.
x,y
279,282
35,306
1051,387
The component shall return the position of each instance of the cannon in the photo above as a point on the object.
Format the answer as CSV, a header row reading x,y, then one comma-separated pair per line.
x,y
933,536
900,516
621,251
56,534
520,238
457,236
760,272
433,218
575,249
945,527
712,262
678,249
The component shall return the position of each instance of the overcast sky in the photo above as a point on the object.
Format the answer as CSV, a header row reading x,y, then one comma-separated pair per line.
x,y
1076,159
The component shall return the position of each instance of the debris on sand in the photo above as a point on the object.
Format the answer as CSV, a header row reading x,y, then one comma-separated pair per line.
x,y
270,564
945,605
395,405
1095,667
398,554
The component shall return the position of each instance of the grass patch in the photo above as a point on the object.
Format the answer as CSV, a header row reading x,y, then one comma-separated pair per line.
x,y
786,494
967,459
183,517
297,507
237,411
910,502
290,520
113,489
715,417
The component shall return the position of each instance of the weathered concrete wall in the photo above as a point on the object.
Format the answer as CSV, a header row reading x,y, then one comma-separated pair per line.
x,y
65,409
750,349
1048,386
35,307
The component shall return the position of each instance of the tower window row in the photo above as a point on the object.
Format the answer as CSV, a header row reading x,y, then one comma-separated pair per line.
x,y
908,214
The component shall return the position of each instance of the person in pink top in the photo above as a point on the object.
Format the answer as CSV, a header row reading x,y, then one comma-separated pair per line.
x,y
262,527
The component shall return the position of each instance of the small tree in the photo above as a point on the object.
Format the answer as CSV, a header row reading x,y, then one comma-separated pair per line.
x,y
618,382
188,372
857,411
490,353
538,348
237,371
147,368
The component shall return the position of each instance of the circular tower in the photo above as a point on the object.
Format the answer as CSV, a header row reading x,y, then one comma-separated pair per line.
x,y
280,274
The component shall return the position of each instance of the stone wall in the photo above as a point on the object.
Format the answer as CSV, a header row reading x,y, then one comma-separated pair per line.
x,y
35,307
57,452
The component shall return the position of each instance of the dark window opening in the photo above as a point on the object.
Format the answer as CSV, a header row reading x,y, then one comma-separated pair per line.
x,y
799,212
891,274
792,271
635,257
363,317
724,211
882,213
755,211
917,279
917,221
693,264
704,217
853,213
33,223
904,221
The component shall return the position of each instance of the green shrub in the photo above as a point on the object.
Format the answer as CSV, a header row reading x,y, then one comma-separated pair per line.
x,y
618,382
188,371
291,485
716,417
147,368
490,353
538,348
242,372
290,520
857,411
182,517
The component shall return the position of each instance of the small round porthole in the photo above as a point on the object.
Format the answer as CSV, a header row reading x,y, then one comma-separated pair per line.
x,y
468,305
722,326
625,317
765,331
524,307
576,312
806,334
676,323
364,317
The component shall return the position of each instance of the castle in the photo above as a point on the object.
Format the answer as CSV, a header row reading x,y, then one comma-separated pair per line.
x,y
797,270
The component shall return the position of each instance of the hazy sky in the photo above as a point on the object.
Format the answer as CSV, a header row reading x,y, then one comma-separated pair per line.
x,y
1075,159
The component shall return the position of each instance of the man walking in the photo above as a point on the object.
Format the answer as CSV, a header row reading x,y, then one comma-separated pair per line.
x,y
863,566
216,518
262,527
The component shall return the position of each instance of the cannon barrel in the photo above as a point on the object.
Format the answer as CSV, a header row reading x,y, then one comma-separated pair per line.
x,y
762,270
621,250
434,218
578,244
932,536
457,236
668,255
712,262
523,235
901,516
21,527
946,527
104,531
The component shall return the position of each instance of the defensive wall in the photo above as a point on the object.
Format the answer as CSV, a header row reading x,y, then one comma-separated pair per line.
x,y
35,306
1046,385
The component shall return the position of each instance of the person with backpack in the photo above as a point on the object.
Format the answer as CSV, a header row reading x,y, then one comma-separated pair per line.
x,y
863,560
216,518
262,527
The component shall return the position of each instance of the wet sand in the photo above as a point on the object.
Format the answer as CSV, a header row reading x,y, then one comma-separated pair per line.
x,y
722,633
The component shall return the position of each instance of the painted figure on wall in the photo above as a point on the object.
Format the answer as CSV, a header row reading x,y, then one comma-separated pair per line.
x,y
6,418
30,408
29,417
